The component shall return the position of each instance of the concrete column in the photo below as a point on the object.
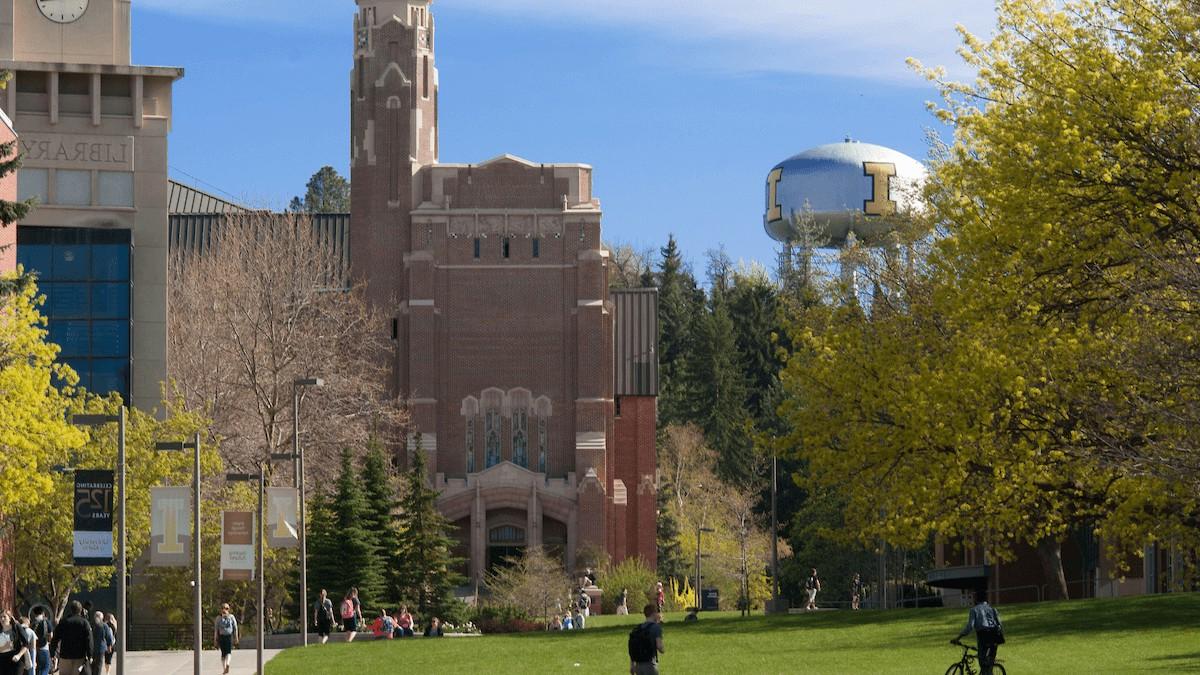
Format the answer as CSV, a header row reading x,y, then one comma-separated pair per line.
x,y
533,527
478,536
572,538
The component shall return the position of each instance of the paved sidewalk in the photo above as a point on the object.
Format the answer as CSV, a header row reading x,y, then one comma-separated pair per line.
x,y
180,663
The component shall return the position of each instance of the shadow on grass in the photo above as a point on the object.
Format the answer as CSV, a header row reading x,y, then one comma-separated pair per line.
x,y
1188,663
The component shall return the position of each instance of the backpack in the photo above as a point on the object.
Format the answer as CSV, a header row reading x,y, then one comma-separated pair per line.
x,y
347,609
225,625
992,631
642,648
41,629
810,583
327,611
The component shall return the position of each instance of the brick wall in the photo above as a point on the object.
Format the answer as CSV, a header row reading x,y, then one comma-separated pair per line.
x,y
635,465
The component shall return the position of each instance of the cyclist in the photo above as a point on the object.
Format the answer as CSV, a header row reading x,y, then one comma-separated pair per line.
x,y
984,620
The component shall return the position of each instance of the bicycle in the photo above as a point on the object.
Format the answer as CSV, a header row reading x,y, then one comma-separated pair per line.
x,y
966,665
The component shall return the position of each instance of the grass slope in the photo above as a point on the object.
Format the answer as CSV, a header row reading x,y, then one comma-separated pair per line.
x,y
1146,634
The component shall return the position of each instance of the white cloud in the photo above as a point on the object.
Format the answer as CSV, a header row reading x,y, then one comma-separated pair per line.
x,y
868,39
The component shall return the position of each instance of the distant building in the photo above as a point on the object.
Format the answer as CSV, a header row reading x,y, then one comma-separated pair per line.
x,y
507,348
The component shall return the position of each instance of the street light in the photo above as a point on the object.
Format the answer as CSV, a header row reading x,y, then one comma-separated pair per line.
x,y
95,421
699,578
298,450
197,602
774,533
262,568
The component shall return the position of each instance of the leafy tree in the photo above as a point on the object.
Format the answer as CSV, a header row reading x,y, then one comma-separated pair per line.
x,y
671,562
535,583
423,570
326,192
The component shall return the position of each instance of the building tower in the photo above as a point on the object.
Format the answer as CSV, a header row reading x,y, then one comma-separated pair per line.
x,y
496,281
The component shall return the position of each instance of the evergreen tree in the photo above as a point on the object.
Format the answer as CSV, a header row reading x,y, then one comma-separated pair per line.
x,y
717,393
680,301
754,308
326,192
346,550
380,493
325,568
671,562
424,572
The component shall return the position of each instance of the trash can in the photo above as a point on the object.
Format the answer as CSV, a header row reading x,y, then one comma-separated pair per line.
x,y
710,599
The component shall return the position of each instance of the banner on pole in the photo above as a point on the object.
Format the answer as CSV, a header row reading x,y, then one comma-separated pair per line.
x,y
282,507
93,518
237,545
170,543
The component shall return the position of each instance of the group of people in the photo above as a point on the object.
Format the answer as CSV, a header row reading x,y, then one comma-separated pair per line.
x,y
82,643
576,613
349,618
812,584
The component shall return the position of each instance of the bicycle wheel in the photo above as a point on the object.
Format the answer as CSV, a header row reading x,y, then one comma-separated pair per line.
x,y
956,669
999,670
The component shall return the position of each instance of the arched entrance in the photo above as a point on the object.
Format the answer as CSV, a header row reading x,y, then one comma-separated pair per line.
x,y
506,543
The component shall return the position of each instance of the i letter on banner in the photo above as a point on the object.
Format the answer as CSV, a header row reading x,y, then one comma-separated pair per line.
x,y
237,545
93,518
170,543
282,507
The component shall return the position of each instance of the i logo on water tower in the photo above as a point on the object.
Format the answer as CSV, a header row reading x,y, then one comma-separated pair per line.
x,y
845,187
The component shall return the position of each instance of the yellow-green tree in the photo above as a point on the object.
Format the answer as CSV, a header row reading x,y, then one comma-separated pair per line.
x,y
1035,371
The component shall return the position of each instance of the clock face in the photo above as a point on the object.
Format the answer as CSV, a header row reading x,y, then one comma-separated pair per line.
x,y
62,11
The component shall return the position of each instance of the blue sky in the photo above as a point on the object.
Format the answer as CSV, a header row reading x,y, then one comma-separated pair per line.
x,y
682,106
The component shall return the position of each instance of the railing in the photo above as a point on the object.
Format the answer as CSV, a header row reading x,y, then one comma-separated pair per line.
x,y
158,636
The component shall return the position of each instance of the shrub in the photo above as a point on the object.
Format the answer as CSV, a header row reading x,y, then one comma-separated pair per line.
x,y
493,619
631,574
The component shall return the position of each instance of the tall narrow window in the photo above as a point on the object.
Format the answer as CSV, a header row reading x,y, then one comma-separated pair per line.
x,y
537,247
476,247
520,426
425,78
504,246
491,437
541,428
471,444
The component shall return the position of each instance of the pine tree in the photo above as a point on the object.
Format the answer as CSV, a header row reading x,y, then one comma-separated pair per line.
x,y
326,192
424,569
680,301
717,393
352,546
381,497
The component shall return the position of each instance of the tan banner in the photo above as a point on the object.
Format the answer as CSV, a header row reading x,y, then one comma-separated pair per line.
x,y
237,545
170,540
282,507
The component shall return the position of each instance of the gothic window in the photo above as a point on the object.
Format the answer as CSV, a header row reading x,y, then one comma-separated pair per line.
x,y
520,425
471,444
476,249
504,243
491,437
541,429
537,247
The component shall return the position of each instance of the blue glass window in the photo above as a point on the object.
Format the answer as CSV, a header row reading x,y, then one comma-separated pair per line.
x,y
85,277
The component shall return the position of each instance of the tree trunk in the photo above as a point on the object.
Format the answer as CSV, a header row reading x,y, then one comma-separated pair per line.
x,y
1050,553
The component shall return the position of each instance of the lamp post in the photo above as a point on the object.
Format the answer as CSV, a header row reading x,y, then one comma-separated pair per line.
x,y
298,450
197,574
95,421
699,578
262,568
774,532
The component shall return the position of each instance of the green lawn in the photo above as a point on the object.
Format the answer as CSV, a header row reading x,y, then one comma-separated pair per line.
x,y
1146,634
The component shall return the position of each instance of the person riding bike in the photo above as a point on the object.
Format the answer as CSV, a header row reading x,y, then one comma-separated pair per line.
x,y
984,621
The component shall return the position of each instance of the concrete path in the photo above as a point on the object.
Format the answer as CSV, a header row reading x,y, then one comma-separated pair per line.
x,y
180,663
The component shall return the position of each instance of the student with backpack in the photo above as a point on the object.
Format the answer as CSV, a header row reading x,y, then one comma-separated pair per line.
x,y
646,643
811,586
225,634
42,628
984,620
349,614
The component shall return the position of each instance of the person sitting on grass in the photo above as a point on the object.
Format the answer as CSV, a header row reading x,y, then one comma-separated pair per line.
x,y
381,627
567,623
403,622
434,629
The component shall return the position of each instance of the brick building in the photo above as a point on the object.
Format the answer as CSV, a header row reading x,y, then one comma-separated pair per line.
x,y
506,344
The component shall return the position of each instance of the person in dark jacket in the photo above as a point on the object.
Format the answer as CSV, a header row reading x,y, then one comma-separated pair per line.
x,y
71,643
102,642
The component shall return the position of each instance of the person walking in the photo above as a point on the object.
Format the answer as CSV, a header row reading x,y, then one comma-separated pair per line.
x,y
349,614
42,629
984,621
111,622
623,603
102,642
856,591
659,596
71,642
323,616
13,645
811,586
646,643
226,635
